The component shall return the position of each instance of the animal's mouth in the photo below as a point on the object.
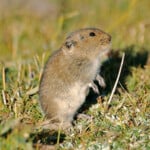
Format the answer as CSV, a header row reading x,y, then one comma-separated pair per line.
x,y
106,49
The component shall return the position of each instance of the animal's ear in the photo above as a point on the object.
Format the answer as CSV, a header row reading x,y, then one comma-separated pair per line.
x,y
70,44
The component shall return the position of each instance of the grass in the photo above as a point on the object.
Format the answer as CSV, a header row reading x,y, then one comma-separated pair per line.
x,y
26,41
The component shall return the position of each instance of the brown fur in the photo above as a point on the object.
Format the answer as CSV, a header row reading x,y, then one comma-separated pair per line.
x,y
70,72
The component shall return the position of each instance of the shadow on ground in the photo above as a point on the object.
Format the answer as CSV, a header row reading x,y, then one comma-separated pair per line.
x,y
109,71
47,137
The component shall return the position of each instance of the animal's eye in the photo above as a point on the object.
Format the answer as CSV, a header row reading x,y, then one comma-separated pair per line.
x,y
92,34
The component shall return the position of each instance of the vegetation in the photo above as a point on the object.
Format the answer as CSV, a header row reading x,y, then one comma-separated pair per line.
x,y
29,34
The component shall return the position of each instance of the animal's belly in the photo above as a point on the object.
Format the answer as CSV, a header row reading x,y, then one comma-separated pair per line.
x,y
73,101
78,93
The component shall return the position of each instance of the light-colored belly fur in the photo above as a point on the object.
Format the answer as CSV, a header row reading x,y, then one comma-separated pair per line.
x,y
76,97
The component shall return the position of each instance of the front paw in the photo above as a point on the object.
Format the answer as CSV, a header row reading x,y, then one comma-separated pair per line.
x,y
101,81
94,87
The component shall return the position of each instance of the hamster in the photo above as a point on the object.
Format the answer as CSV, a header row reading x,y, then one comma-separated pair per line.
x,y
69,74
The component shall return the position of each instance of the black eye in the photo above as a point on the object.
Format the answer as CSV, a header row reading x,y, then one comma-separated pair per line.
x,y
92,34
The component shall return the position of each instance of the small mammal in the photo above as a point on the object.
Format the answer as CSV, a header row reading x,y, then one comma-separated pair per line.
x,y
70,72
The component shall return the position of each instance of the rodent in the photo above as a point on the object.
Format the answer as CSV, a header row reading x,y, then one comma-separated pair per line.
x,y
70,72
